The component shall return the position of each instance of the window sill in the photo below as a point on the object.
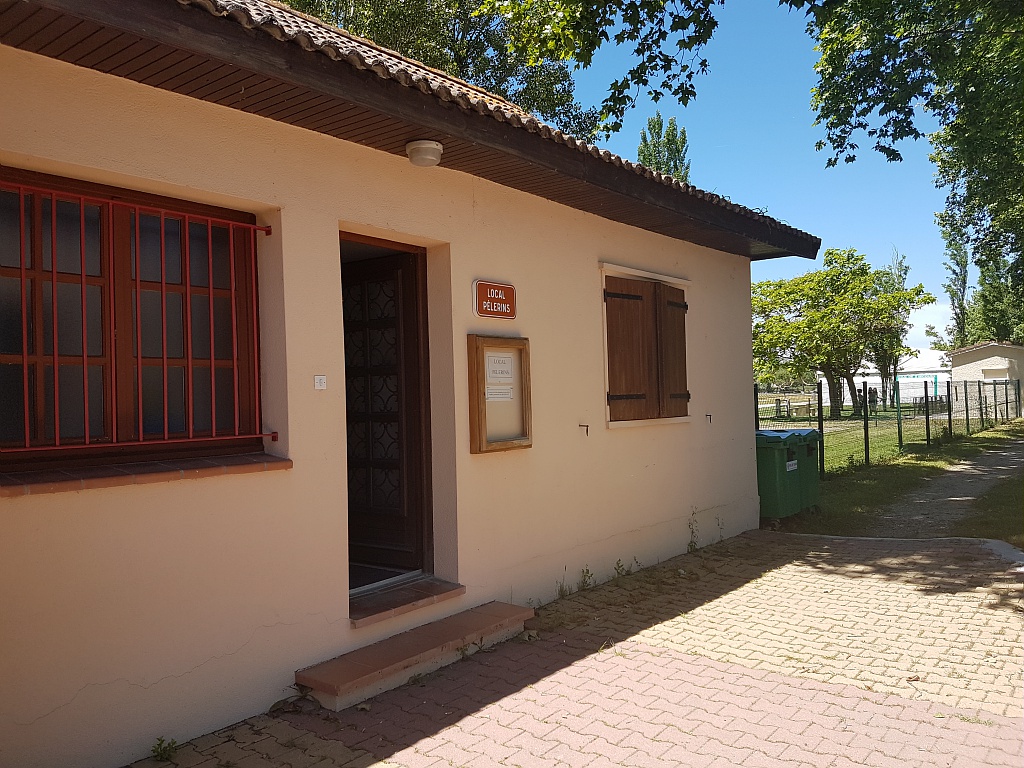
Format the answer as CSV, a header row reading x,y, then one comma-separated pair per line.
x,y
136,473
648,422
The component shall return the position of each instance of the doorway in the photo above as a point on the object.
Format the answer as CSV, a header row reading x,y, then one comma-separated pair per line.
x,y
387,410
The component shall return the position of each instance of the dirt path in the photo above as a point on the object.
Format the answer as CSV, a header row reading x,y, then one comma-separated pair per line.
x,y
944,499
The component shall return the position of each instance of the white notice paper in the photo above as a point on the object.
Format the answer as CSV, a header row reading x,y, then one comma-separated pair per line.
x,y
498,393
499,369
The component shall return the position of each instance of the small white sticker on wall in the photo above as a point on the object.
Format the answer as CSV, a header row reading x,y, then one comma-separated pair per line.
x,y
319,382
498,393
790,466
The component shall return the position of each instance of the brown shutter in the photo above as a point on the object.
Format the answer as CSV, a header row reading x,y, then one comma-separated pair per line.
x,y
632,362
675,397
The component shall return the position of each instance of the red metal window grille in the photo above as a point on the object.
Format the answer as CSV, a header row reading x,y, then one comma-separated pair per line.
x,y
123,325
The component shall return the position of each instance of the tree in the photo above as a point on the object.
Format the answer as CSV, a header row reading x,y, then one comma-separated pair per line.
x,y
476,47
780,377
884,65
825,320
663,148
957,289
882,61
996,312
887,347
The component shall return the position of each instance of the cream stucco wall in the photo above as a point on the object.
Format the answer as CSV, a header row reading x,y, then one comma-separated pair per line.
x,y
172,608
974,364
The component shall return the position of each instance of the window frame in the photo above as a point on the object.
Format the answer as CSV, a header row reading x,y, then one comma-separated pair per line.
x,y
607,270
120,239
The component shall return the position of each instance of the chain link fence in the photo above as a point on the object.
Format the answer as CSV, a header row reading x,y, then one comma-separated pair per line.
x,y
881,422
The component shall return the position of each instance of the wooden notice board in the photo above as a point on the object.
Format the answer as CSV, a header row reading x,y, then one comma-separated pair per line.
x,y
500,416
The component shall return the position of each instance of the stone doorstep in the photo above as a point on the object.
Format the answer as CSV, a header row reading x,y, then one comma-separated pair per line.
x,y
365,672
407,596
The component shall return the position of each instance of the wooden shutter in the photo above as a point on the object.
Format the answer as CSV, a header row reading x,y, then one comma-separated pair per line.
x,y
630,312
674,396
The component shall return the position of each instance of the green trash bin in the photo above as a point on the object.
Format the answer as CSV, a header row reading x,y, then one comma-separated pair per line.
x,y
778,482
807,469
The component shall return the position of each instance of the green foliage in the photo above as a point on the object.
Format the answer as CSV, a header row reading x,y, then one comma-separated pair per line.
x,y
663,148
775,375
164,750
666,41
885,347
996,309
825,320
885,65
956,288
884,62
586,580
563,588
979,149
450,35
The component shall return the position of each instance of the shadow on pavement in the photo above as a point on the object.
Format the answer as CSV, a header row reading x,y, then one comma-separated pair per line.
x,y
587,623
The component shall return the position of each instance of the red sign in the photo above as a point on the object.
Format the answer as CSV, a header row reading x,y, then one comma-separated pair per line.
x,y
495,300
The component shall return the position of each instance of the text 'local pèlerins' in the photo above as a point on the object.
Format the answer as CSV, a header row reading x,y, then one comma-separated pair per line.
x,y
496,306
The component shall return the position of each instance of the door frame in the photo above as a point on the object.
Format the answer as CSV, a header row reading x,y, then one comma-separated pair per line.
x,y
419,349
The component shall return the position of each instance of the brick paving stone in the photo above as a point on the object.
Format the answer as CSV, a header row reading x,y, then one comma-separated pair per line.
x,y
764,650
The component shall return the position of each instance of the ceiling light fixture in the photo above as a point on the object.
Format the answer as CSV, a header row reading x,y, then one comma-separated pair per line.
x,y
424,153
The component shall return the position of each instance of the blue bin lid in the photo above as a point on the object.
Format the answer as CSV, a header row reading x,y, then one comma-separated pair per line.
x,y
777,436
809,435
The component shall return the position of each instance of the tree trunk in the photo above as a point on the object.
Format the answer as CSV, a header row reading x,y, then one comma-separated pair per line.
x,y
892,389
835,395
853,392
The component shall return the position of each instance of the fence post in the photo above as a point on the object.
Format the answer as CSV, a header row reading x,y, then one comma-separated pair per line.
x,y
949,405
899,413
981,405
927,417
821,433
1006,399
995,405
864,408
757,407
1018,398
967,411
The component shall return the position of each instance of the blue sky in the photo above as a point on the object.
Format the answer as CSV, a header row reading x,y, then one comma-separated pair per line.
x,y
751,138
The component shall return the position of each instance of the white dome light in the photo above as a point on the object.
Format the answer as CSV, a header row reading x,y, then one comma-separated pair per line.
x,y
424,153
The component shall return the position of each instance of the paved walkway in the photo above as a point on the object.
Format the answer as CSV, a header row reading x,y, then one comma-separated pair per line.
x,y
942,500
765,650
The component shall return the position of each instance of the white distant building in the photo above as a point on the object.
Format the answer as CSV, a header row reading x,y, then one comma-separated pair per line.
x,y
912,376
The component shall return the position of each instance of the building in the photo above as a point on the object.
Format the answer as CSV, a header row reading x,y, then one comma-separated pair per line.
x,y
989,361
279,381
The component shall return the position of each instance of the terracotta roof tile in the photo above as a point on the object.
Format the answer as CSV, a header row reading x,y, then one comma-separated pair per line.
x,y
973,347
288,25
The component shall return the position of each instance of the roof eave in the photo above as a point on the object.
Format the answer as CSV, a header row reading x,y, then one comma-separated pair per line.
x,y
618,190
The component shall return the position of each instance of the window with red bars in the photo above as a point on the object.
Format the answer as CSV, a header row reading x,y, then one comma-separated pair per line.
x,y
128,325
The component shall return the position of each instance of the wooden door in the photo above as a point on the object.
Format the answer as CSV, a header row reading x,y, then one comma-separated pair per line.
x,y
383,302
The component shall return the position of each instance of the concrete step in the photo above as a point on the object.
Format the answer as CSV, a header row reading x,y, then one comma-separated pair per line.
x,y
363,673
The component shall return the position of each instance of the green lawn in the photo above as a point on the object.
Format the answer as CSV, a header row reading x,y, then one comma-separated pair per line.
x,y
851,501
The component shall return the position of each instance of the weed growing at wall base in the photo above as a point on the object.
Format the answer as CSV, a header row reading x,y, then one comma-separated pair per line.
x,y
164,750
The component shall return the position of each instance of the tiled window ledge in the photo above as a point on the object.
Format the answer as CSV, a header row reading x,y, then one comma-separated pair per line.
x,y
138,473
